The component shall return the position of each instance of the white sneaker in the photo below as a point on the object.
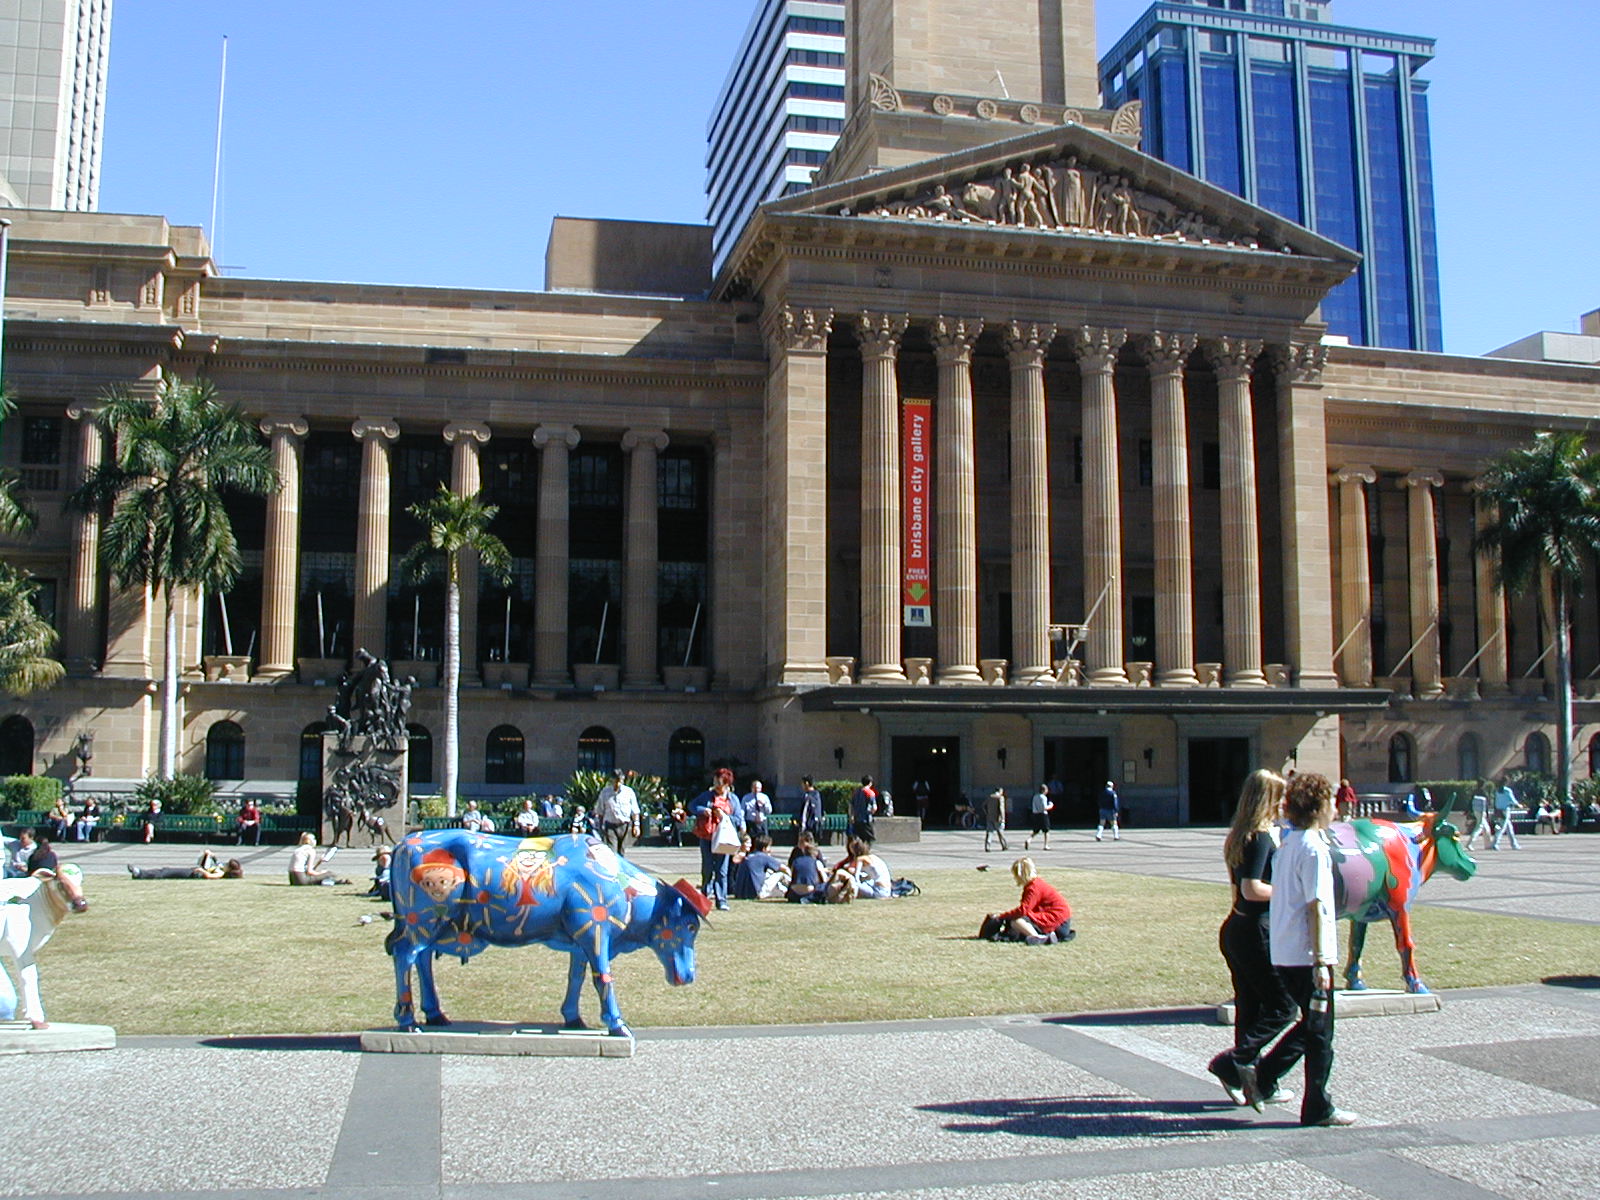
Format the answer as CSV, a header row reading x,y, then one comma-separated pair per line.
x,y
1097,837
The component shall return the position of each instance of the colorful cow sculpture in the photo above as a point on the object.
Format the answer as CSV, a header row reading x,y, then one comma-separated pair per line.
x,y
457,893
1377,868
30,910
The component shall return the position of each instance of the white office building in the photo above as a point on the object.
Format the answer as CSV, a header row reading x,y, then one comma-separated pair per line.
x,y
779,113
53,58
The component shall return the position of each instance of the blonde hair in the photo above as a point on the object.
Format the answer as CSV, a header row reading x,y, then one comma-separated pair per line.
x,y
1259,802
308,839
1024,871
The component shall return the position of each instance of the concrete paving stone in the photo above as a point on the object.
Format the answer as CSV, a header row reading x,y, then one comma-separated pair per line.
x,y
1549,1169
838,1101
1196,1183
176,1120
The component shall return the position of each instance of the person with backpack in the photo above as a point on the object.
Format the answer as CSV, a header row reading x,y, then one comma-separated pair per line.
x,y
863,807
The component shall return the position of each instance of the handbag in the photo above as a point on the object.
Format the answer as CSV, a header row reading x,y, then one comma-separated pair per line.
x,y
705,825
726,840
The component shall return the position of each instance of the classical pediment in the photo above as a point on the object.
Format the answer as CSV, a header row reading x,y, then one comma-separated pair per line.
x,y
1066,183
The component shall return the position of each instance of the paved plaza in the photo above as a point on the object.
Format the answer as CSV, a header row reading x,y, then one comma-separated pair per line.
x,y
1497,1095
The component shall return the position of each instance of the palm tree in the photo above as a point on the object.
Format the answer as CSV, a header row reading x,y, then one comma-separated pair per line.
x,y
16,514
176,455
26,638
1544,523
457,528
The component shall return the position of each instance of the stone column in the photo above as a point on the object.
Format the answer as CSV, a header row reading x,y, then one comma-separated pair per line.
x,y
1102,515
796,449
1026,345
1303,488
280,568
372,535
1491,605
1234,359
955,605
640,583
466,479
1422,550
551,585
81,647
1167,354
879,335
1355,576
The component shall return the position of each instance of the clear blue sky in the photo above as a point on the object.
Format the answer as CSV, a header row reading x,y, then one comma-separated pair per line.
x,y
407,141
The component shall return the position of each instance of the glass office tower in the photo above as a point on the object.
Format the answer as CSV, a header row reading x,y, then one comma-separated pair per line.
x,y
778,114
1323,124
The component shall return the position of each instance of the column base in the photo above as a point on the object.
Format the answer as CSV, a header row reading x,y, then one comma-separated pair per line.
x,y
1178,677
1107,677
796,671
1250,677
1030,676
958,676
883,673
552,679
273,673
1429,689
1317,679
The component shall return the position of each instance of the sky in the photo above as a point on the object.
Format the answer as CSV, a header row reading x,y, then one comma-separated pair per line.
x,y
406,141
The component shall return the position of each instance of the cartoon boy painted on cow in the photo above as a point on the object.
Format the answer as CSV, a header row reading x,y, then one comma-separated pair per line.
x,y
458,892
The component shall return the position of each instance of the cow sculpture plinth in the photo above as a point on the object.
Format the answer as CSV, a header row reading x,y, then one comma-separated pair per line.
x,y
457,893
1377,868
30,910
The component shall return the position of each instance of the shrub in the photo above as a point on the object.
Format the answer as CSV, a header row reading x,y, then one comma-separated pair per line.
x,y
1532,788
836,794
182,794
37,793
427,806
1457,793
583,787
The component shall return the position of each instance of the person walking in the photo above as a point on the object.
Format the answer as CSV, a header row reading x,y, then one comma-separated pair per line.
x,y
1039,808
994,819
1481,823
1305,948
616,811
863,807
757,808
1110,810
1505,803
810,815
708,809
1262,1005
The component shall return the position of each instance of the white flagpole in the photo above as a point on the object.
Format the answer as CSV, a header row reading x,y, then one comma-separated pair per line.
x,y
216,166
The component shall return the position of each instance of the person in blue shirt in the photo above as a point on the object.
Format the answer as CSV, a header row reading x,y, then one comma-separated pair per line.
x,y
1110,810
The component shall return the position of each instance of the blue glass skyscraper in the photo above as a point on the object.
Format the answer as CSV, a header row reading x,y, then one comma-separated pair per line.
x,y
1323,124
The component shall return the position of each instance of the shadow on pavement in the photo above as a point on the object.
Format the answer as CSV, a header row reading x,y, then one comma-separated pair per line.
x,y
1156,1016
1572,981
342,1043
1091,1116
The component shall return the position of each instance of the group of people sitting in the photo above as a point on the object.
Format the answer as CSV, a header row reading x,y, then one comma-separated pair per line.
x,y
807,878
62,824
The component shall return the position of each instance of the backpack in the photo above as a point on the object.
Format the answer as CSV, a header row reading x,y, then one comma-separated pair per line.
x,y
903,887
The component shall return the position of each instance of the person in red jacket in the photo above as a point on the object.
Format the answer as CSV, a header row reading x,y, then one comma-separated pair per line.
x,y
1043,916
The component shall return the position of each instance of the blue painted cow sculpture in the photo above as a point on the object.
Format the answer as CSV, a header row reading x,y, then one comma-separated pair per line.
x,y
458,893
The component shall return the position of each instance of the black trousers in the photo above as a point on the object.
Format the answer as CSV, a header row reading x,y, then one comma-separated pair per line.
x,y
1311,1038
1263,1007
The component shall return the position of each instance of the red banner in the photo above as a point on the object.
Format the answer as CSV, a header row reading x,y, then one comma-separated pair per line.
x,y
916,510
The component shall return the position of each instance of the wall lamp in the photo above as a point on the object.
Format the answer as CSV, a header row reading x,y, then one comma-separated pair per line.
x,y
1001,755
838,756
1149,756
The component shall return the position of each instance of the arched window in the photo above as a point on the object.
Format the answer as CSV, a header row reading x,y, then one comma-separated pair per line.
x,y
597,749
420,755
1400,759
16,746
502,755
225,751
1467,757
686,756
310,785
1536,753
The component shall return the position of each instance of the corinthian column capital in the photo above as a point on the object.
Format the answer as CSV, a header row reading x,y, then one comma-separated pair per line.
x,y
1027,342
954,337
364,428
1300,362
1167,353
1097,347
800,330
1233,358
880,333
466,432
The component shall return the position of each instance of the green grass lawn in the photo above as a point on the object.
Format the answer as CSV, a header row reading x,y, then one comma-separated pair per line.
x,y
256,956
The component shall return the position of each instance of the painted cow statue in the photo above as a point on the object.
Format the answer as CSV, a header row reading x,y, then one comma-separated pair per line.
x,y
1377,868
30,910
457,892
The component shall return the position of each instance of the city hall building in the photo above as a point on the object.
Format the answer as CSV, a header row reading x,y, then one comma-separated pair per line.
x,y
1005,453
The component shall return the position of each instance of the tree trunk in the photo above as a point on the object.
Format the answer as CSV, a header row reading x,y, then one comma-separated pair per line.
x,y
168,760
1563,690
452,688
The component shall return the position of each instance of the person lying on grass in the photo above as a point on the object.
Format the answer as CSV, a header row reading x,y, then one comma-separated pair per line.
x,y
206,868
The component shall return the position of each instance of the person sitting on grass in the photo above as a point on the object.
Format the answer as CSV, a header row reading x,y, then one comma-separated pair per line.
x,y
206,868
753,870
382,857
807,872
304,864
1042,917
859,875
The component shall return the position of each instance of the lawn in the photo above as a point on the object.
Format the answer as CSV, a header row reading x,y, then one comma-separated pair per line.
x,y
256,956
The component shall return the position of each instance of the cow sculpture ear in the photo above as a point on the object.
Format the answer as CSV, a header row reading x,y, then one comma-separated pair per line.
x,y
694,896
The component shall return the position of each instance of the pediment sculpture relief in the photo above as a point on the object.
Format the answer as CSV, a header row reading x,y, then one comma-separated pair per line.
x,y
1064,195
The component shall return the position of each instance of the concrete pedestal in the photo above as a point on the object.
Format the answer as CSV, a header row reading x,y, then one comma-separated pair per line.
x,y
1374,1002
505,1039
19,1037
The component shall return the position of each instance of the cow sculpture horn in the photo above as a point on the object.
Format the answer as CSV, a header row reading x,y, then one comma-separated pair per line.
x,y
694,896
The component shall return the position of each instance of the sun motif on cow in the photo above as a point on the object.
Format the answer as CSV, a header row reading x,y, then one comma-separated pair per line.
x,y
599,913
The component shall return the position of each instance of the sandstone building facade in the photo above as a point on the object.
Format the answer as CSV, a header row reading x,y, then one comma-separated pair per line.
x,y
1016,460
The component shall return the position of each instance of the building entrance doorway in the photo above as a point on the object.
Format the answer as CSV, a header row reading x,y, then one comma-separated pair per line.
x,y
935,761
1217,770
1081,766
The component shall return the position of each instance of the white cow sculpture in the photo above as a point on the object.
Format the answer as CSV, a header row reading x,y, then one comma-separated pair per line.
x,y
30,910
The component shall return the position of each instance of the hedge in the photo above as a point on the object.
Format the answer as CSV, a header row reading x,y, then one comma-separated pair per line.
x,y
28,793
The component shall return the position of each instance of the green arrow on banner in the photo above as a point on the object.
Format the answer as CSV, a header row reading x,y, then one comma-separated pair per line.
x,y
917,591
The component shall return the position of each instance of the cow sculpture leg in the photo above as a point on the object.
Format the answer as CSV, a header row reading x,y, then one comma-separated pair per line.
x,y
600,968
1352,970
32,1009
407,958
1408,953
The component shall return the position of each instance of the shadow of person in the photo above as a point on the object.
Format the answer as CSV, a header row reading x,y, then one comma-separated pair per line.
x,y
1091,1116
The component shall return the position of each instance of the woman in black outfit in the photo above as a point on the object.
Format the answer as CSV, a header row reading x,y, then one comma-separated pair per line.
x,y
1262,1005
